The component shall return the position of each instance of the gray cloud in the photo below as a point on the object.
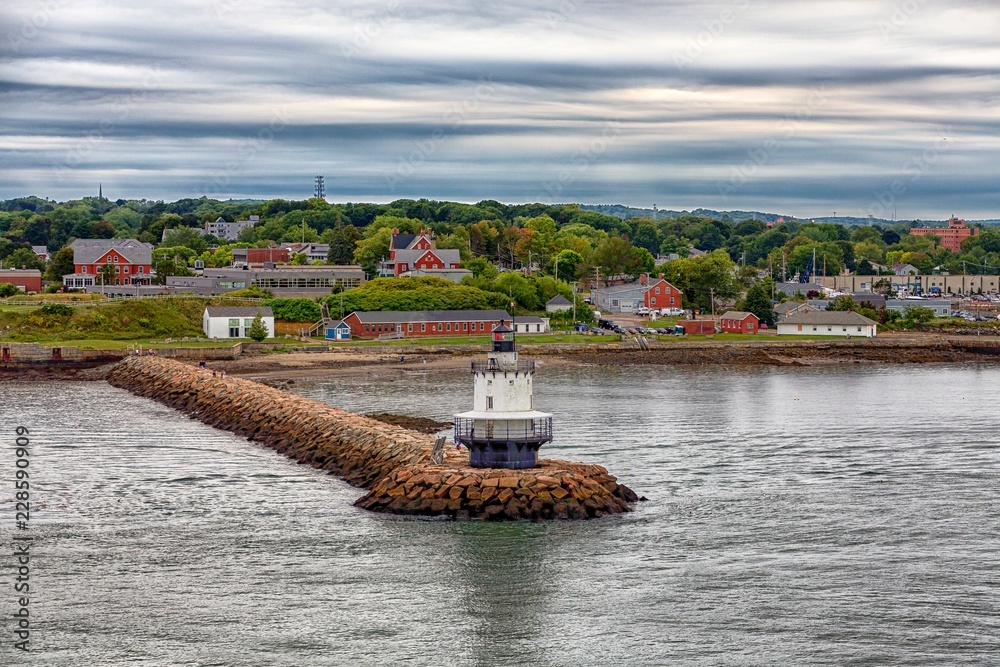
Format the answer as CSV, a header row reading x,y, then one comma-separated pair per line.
x,y
800,107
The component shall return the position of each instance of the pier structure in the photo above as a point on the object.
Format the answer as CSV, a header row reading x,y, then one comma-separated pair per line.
x,y
396,466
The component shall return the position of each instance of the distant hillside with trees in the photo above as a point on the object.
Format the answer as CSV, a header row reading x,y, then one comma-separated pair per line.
x,y
555,244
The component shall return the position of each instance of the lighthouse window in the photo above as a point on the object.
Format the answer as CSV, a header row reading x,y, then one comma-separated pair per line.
x,y
512,383
489,402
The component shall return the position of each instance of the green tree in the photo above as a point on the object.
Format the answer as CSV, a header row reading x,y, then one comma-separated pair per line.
x,y
187,237
917,315
372,249
298,259
612,256
390,222
23,258
701,277
60,264
107,274
103,230
480,267
257,330
343,243
758,302
845,302
541,241
567,265
640,261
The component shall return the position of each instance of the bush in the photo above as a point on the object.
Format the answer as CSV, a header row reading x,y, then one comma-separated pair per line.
x,y
424,293
9,289
56,309
252,292
294,310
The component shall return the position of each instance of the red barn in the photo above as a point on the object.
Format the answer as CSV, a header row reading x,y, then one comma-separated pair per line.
x,y
737,321
416,323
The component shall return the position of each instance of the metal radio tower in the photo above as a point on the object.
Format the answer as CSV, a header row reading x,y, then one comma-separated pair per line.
x,y
320,188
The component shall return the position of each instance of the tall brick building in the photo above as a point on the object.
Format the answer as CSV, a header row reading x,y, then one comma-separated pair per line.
x,y
951,236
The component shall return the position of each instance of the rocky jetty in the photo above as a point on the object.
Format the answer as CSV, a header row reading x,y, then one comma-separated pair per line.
x,y
394,463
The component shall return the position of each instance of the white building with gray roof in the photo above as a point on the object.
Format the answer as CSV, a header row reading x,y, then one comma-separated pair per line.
x,y
844,323
234,321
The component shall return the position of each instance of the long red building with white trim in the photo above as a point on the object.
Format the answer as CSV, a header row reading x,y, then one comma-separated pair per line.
x,y
417,323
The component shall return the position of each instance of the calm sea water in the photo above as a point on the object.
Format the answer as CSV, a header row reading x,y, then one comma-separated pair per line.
x,y
841,516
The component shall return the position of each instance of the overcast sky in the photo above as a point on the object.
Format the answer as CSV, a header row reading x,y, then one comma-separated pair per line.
x,y
802,107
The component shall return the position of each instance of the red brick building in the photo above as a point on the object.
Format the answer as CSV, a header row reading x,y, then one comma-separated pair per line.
x,y
132,261
416,323
951,236
697,326
260,256
736,321
29,280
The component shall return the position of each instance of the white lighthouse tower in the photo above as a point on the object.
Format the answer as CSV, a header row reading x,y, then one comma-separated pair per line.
x,y
503,430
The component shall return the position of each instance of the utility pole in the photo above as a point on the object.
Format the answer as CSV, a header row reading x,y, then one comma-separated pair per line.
x,y
770,274
597,283
574,304
711,292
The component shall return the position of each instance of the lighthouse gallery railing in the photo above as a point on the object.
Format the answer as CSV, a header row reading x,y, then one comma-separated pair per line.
x,y
520,366
486,431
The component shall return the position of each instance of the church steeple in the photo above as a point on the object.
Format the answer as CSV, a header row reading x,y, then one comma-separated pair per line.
x,y
100,191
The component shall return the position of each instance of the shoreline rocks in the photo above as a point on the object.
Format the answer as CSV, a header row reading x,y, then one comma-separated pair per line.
x,y
392,462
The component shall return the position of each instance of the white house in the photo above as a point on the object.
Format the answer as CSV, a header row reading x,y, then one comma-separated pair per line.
x,y
234,322
530,324
827,323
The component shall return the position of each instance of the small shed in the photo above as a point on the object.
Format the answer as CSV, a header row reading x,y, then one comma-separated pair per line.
x,y
558,304
234,321
338,330
738,321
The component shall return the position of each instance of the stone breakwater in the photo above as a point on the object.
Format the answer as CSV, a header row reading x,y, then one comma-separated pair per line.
x,y
392,462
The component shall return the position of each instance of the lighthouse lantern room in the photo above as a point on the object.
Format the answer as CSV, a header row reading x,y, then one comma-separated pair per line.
x,y
503,430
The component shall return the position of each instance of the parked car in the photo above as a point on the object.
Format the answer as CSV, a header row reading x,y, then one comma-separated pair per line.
x,y
671,312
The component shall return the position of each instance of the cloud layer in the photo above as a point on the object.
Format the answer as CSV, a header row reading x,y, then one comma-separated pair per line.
x,y
859,107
